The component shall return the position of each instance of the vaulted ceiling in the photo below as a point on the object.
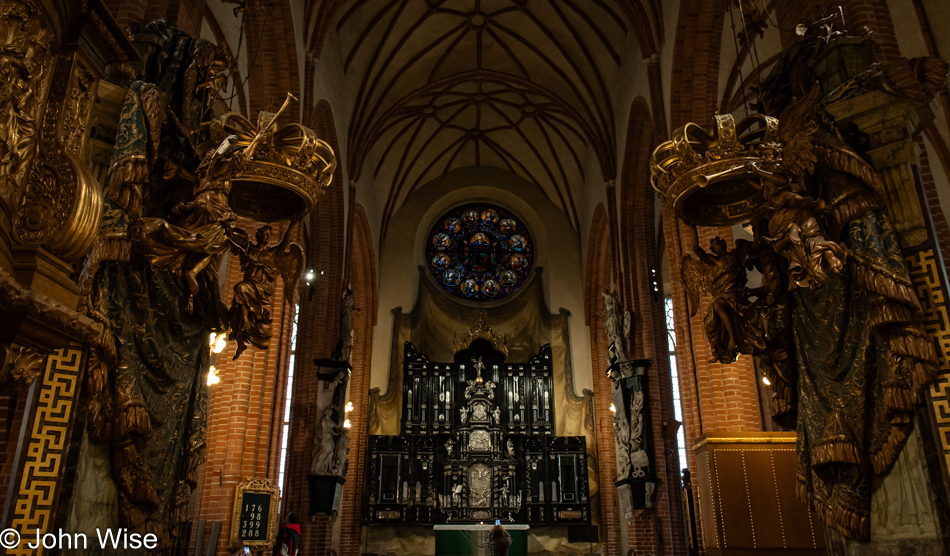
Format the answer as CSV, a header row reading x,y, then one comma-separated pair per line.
x,y
523,85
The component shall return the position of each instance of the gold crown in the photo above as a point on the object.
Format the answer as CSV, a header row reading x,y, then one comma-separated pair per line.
x,y
715,179
288,171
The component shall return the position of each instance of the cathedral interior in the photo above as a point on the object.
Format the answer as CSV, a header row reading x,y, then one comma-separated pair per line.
x,y
624,277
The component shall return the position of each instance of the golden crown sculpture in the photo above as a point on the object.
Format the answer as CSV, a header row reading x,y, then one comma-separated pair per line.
x,y
716,179
289,168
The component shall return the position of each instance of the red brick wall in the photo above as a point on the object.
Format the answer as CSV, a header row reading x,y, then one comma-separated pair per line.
x,y
317,337
714,396
244,414
272,58
362,274
600,272
134,14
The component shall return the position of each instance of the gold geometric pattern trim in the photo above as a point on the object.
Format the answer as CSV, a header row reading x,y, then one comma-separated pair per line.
x,y
925,275
46,448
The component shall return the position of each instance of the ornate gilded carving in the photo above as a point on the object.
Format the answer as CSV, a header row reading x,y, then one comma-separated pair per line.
x,y
249,316
16,301
150,278
204,227
794,233
78,111
732,323
20,366
289,172
61,206
200,235
839,335
480,330
25,63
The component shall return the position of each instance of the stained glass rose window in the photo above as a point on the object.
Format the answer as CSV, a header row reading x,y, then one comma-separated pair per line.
x,y
479,251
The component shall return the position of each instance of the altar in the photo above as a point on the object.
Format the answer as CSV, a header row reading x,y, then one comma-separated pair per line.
x,y
476,445
473,539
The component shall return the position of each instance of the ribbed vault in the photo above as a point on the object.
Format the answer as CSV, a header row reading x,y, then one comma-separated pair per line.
x,y
523,85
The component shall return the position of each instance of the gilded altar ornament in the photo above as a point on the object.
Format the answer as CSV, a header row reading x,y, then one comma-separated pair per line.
x,y
481,330
835,325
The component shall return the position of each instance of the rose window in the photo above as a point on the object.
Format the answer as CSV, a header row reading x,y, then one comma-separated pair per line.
x,y
479,252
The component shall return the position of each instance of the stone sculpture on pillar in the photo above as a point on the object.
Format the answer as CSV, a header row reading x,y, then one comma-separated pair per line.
x,y
627,383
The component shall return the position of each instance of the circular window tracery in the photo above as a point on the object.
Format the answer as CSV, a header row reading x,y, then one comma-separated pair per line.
x,y
479,252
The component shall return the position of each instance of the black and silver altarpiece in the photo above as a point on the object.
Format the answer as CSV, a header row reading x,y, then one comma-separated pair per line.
x,y
476,444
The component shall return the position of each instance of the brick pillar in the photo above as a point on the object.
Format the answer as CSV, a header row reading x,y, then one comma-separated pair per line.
x,y
599,276
362,273
317,335
244,415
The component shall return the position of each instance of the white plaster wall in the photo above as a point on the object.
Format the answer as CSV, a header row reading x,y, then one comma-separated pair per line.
x,y
556,250
910,39
938,13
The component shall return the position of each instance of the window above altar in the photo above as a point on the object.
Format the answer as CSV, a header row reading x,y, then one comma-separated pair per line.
x,y
479,252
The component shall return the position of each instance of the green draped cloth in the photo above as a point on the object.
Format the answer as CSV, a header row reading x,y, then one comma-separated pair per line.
x,y
148,395
847,360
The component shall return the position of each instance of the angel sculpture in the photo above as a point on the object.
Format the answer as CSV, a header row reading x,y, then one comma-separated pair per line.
x,y
796,234
249,315
732,323
200,235
203,228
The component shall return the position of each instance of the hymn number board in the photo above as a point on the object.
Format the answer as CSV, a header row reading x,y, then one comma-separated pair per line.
x,y
255,512
254,518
